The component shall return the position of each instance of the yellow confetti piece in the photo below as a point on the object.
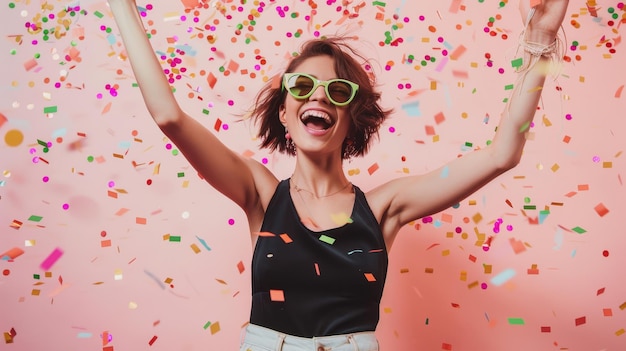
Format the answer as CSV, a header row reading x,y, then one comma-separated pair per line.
x,y
195,248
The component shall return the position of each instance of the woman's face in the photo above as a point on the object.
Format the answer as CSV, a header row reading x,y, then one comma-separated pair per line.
x,y
316,125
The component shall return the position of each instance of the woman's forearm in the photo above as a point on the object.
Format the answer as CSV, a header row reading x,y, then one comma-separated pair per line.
x,y
155,88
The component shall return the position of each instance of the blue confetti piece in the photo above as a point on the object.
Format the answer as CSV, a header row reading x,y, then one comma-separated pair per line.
x,y
445,171
111,39
412,109
155,278
203,243
503,277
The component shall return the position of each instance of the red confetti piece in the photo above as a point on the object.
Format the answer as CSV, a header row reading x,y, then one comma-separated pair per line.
x,y
601,210
580,320
240,267
152,340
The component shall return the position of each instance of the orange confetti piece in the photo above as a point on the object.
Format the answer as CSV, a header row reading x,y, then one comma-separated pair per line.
x,y
370,277
373,168
618,92
277,295
106,108
266,234
517,245
211,79
317,269
460,50
286,238
105,243
141,220
12,253
440,118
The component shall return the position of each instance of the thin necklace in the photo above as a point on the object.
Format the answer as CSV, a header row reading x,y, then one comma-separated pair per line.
x,y
309,220
299,189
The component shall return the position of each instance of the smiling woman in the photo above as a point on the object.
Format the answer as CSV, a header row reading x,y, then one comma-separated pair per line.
x,y
321,245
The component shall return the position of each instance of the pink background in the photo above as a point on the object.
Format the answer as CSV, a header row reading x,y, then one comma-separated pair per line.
x,y
122,283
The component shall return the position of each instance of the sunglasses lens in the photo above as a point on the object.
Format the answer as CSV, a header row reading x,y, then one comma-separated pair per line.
x,y
300,85
340,92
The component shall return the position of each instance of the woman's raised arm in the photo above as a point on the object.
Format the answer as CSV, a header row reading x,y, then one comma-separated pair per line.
x,y
225,170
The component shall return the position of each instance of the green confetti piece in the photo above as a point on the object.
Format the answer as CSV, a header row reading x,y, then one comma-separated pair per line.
x,y
516,321
579,230
181,174
42,143
206,325
379,3
34,218
174,238
524,127
50,109
508,87
36,276
98,14
205,111
468,144
327,239
530,207
517,63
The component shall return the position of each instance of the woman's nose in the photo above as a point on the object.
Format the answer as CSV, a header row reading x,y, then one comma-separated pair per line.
x,y
319,94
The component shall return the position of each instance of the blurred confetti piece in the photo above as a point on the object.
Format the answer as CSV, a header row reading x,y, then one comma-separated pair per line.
x,y
601,210
618,93
517,245
503,277
52,258
12,254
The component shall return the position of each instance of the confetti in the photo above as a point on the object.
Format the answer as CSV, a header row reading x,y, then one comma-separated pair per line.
x,y
52,258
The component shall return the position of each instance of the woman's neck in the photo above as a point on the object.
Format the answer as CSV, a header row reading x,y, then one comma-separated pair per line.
x,y
320,177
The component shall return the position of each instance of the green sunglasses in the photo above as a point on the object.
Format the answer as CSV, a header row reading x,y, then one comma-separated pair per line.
x,y
301,86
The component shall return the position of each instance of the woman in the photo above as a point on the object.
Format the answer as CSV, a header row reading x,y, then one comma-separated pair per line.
x,y
321,244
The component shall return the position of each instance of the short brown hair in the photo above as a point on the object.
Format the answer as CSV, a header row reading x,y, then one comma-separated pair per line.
x,y
365,112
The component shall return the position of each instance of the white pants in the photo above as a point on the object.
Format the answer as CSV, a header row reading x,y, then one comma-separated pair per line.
x,y
257,338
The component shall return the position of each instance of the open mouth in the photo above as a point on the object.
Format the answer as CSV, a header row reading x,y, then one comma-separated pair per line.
x,y
316,120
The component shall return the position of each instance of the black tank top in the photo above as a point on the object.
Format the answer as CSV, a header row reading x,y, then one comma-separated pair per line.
x,y
308,283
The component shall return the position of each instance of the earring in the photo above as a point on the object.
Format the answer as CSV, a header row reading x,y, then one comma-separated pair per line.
x,y
290,146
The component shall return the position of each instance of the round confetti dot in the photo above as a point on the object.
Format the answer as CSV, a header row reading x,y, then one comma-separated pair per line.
x,y
605,253
149,181
14,137
231,221
45,179
66,206
103,233
6,272
185,215
483,286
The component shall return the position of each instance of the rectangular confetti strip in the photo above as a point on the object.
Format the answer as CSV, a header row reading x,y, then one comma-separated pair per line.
x,y
52,258
327,239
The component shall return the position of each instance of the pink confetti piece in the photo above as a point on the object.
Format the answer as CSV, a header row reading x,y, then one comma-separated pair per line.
x,y
51,259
